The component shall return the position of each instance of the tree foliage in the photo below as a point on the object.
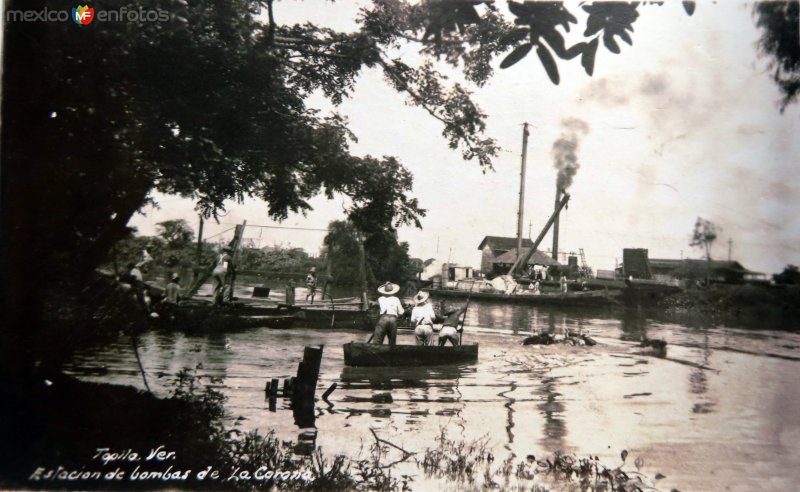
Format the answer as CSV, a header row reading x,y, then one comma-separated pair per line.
x,y
176,233
212,105
704,234
343,253
472,33
780,42
288,260
387,259
789,275
166,258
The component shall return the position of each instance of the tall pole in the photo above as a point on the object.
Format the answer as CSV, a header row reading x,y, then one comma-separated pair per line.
x,y
730,246
200,241
559,191
196,269
237,245
363,274
521,210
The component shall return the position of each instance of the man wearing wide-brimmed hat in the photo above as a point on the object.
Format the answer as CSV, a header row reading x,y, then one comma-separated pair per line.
x,y
390,308
422,317
450,326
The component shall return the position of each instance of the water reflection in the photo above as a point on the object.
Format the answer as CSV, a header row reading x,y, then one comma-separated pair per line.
x,y
634,325
571,398
410,391
509,405
698,380
553,408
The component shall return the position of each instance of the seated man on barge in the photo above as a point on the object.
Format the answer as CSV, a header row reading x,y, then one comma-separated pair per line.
x,y
450,327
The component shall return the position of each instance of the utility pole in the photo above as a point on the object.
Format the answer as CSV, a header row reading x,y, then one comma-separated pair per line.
x,y
200,241
521,211
363,273
730,246
196,269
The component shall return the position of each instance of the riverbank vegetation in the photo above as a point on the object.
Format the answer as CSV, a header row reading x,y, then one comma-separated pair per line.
x,y
66,434
175,249
755,306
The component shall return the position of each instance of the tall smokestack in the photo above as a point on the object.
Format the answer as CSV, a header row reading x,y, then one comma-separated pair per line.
x,y
559,192
565,159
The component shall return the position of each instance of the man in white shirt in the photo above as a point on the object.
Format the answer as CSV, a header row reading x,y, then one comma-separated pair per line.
x,y
311,284
390,309
220,273
422,317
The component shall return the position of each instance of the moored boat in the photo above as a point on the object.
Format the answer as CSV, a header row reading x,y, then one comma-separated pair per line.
x,y
206,317
367,354
580,298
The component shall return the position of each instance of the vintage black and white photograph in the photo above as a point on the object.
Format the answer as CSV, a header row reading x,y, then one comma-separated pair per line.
x,y
400,245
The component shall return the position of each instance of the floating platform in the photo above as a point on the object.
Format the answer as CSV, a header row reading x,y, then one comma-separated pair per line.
x,y
368,354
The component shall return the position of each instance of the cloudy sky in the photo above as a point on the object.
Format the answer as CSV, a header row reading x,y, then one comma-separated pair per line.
x,y
684,123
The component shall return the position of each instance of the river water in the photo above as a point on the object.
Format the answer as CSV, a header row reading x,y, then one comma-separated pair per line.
x,y
720,412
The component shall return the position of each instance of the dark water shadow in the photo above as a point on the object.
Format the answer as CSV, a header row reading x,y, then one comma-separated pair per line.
x,y
388,378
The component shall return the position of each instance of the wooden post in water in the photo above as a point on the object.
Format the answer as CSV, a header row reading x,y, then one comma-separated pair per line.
x,y
307,374
305,386
290,293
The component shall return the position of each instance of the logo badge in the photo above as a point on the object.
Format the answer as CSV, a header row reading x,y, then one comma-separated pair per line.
x,y
83,15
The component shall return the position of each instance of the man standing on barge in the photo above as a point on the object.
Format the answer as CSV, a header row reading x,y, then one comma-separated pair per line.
x,y
390,309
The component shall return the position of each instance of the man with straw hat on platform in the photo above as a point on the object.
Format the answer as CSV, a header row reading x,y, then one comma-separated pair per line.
x,y
390,308
422,317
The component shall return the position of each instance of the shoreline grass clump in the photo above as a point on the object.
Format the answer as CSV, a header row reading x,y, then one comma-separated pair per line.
x,y
458,462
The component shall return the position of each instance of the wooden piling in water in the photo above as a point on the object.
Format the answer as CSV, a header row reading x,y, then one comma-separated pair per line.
x,y
328,391
307,375
273,387
288,386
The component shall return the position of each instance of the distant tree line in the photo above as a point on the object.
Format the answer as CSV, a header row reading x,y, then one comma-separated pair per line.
x,y
175,248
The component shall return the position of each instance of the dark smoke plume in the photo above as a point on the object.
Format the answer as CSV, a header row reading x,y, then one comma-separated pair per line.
x,y
565,150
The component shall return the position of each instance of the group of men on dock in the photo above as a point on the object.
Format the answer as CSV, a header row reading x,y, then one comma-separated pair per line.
x,y
423,318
